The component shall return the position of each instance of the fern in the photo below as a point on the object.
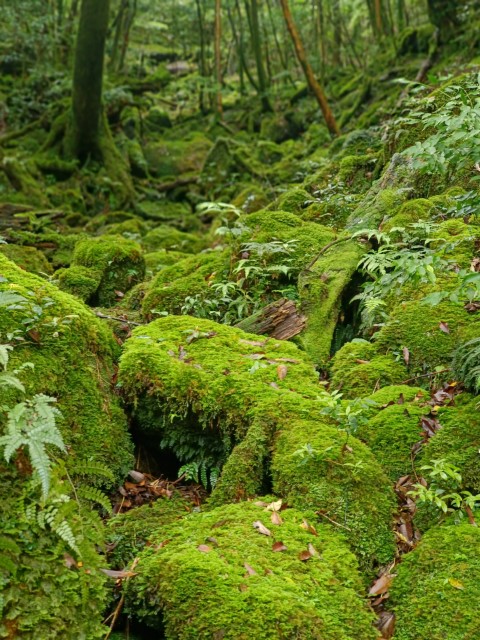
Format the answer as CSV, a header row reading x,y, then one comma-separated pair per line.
x,y
91,469
95,495
466,364
32,424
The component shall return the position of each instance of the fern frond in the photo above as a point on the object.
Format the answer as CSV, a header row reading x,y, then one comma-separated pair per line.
x,y
95,495
64,531
92,469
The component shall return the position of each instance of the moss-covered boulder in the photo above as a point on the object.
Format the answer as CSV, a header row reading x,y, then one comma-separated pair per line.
x,y
73,355
113,262
171,158
358,371
218,396
458,441
218,576
27,258
437,591
49,589
166,237
189,278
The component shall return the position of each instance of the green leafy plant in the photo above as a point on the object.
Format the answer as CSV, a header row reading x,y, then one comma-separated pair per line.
x,y
466,364
200,472
444,490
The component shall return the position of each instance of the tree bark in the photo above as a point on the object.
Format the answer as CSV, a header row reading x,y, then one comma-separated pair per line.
x,y
280,320
252,12
307,69
88,77
218,57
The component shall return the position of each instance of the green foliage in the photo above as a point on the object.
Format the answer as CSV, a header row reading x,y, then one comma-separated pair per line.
x,y
466,364
32,424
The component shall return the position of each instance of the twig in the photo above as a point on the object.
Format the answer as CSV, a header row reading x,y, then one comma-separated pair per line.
x,y
427,375
337,524
120,604
325,249
105,317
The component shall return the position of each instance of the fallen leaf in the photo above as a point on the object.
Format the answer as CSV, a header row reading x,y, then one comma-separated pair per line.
x,y
312,549
275,506
276,519
282,371
119,294
386,624
456,583
304,555
242,587
204,548
381,585
278,546
254,343
406,355
274,385
261,503
34,335
443,326
250,570
214,541
69,561
308,527
261,528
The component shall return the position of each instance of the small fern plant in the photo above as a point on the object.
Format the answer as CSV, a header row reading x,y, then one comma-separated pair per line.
x,y
466,364
32,424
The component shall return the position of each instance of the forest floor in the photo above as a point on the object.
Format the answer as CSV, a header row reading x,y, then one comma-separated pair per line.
x,y
263,346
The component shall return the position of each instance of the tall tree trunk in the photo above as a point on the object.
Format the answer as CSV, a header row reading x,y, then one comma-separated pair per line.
x,y
252,12
307,69
202,60
218,57
88,77
444,14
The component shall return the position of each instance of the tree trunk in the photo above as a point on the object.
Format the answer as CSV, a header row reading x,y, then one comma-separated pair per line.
x,y
311,80
280,320
252,12
218,57
444,14
88,78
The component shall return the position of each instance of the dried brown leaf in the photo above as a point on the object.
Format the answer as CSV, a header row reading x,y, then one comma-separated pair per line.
x,y
282,371
278,546
381,585
250,570
204,548
261,528
276,519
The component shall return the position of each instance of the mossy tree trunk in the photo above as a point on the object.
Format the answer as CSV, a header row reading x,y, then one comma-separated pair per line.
x,y
218,58
254,23
307,69
444,14
88,78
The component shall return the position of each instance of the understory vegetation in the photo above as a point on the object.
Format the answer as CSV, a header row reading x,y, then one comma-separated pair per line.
x,y
240,319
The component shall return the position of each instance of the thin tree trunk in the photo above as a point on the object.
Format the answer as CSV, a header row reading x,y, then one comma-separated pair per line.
x,y
88,77
241,48
202,62
307,69
218,57
252,13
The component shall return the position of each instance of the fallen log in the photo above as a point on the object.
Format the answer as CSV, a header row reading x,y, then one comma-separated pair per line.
x,y
280,320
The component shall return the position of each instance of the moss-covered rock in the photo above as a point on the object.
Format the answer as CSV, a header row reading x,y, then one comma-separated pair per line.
x,y
118,261
458,441
81,282
436,593
166,237
27,258
292,201
155,261
73,354
418,327
358,371
217,395
171,158
357,171
218,577
251,199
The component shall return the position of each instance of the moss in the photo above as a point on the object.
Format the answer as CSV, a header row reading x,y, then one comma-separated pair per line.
x,y
81,282
416,326
462,235
174,214
158,260
128,533
415,39
187,278
357,371
42,597
440,577
166,237
118,260
321,291
157,120
173,158
357,171
59,247
199,595
292,201
345,485
73,354
27,258
214,393
393,393
100,223
458,441
306,238
250,199
410,212
391,434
